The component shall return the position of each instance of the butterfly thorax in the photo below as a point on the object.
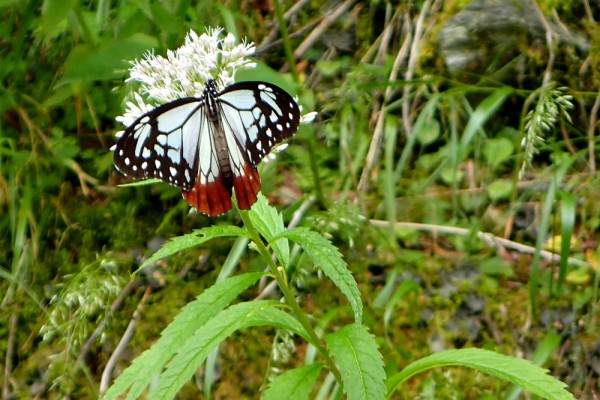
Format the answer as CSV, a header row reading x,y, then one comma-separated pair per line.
x,y
213,111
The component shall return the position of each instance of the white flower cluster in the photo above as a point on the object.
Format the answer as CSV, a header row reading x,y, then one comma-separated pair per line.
x,y
185,71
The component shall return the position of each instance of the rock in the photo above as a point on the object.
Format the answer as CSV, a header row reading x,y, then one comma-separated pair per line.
x,y
488,34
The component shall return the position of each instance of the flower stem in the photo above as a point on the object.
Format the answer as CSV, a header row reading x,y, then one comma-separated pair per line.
x,y
287,293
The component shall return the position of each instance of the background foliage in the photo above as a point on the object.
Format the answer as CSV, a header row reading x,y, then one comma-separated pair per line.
x,y
412,170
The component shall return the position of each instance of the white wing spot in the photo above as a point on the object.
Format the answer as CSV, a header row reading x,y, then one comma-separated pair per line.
x,y
279,126
187,175
157,164
173,154
141,135
174,138
145,165
173,171
134,168
162,139
127,161
253,133
146,153
159,150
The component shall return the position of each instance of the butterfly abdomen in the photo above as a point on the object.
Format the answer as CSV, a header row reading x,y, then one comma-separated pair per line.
x,y
220,141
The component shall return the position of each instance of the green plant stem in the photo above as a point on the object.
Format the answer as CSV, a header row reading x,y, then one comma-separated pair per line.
x,y
289,55
287,46
314,166
287,293
85,30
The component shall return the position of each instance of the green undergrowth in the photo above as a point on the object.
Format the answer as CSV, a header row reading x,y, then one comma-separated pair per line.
x,y
403,249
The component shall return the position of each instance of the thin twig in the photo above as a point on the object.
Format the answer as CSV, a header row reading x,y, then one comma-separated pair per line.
x,y
327,20
116,355
588,11
491,240
83,177
202,261
95,120
10,346
266,43
550,42
377,140
591,133
98,331
377,44
266,47
415,52
386,36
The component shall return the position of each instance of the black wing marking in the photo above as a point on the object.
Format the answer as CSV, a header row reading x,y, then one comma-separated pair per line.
x,y
164,142
260,114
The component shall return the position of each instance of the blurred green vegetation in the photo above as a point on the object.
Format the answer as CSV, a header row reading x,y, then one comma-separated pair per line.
x,y
398,139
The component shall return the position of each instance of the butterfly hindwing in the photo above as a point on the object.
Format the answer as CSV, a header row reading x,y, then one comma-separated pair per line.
x,y
212,192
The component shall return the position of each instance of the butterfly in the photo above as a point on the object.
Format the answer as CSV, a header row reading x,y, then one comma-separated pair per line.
x,y
210,145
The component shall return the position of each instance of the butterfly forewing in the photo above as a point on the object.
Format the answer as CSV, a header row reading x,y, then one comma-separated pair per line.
x,y
260,114
176,143
164,143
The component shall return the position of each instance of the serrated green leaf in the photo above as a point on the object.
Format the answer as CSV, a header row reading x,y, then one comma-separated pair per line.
x,y
327,257
511,369
296,384
189,240
193,316
194,351
360,363
544,350
268,222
